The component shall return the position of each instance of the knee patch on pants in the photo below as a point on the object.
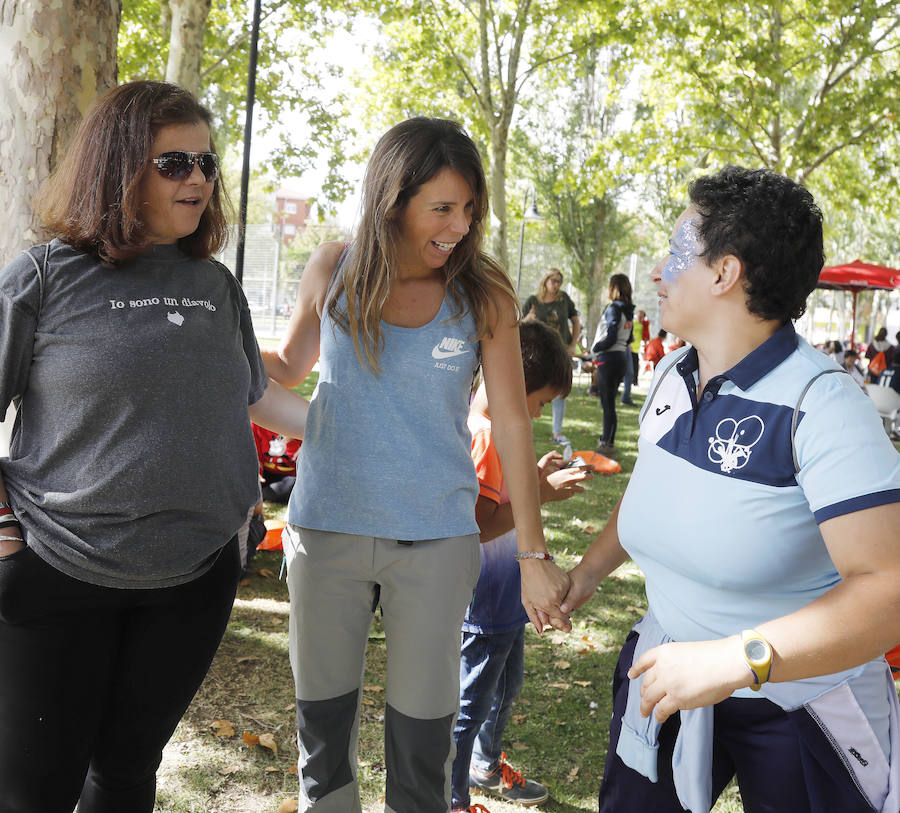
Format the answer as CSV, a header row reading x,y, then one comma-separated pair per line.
x,y
417,756
325,728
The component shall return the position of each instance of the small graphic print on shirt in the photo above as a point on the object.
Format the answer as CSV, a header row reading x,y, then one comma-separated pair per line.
x,y
733,441
448,348
175,317
277,446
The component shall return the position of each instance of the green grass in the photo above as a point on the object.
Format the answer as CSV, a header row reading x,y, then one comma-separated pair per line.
x,y
559,729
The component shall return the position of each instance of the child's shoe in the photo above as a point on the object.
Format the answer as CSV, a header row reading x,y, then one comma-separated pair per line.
x,y
508,784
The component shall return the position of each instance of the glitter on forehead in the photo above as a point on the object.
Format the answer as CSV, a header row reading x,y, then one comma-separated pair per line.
x,y
685,248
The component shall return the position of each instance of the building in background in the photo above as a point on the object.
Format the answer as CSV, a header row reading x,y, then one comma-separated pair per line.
x,y
292,209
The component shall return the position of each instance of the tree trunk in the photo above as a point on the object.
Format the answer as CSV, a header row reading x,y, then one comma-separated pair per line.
x,y
499,137
186,42
56,57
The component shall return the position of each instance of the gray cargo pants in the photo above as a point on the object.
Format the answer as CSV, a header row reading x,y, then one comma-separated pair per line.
x,y
335,582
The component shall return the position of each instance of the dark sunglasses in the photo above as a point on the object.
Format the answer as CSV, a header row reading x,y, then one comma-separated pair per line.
x,y
178,165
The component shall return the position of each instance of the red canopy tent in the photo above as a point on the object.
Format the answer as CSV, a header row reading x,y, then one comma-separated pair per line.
x,y
858,276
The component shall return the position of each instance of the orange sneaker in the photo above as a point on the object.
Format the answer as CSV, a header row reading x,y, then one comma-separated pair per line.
x,y
509,784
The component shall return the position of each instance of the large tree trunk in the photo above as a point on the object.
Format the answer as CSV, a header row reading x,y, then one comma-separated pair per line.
x,y
55,58
499,137
186,42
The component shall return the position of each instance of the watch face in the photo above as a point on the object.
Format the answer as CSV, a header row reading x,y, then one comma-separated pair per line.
x,y
756,650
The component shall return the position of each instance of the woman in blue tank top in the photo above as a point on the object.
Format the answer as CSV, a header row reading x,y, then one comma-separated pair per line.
x,y
383,510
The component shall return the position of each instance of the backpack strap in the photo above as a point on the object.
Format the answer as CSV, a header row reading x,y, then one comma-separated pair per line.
x,y
41,273
796,417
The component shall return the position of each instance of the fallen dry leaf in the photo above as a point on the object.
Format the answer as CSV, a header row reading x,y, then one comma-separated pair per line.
x,y
222,728
520,746
373,688
293,769
267,574
561,685
267,740
632,609
289,806
572,774
582,683
519,718
246,658
272,769
561,664
251,739
585,650
229,771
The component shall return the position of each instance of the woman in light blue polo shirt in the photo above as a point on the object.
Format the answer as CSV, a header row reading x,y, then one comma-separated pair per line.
x,y
771,558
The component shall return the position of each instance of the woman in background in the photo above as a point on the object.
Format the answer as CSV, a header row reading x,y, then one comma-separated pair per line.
x,y
610,349
553,306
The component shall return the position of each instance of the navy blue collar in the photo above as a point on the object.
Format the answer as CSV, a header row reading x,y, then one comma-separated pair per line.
x,y
754,365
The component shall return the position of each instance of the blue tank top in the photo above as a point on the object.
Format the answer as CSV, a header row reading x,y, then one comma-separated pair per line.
x,y
388,455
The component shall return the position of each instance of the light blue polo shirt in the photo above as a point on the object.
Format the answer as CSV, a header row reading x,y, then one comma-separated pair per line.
x,y
725,531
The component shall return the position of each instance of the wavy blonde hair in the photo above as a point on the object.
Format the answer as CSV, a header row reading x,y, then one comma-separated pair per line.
x,y
541,291
406,156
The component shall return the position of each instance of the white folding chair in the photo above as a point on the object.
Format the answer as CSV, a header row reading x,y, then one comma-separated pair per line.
x,y
887,402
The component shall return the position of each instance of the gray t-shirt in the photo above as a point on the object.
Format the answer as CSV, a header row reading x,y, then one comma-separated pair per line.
x,y
132,460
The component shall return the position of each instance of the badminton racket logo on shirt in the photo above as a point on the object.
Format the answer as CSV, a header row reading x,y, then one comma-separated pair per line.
x,y
733,441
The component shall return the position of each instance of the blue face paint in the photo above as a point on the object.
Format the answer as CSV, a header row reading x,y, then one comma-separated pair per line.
x,y
685,249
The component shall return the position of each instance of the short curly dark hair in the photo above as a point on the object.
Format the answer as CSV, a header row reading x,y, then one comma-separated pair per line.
x,y
770,223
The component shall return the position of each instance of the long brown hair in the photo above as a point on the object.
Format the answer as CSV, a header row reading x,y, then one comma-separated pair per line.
x,y
91,201
408,155
620,288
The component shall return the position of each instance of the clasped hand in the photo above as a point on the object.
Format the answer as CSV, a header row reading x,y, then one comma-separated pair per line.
x,y
544,585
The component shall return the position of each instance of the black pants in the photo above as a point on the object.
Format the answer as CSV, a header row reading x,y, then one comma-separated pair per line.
x,y
783,760
93,681
610,372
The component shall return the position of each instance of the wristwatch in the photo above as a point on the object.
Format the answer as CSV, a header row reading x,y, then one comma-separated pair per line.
x,y
758,655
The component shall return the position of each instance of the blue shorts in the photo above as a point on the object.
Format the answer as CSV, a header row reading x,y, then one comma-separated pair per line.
x,y
783,761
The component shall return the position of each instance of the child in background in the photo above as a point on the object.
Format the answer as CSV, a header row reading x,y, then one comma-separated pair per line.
x,y
277,463
654,351
492,666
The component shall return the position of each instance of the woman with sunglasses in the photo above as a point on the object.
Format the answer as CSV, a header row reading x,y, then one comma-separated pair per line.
x,y
127,348
399,321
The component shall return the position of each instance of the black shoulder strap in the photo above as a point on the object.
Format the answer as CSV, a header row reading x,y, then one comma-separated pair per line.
x,y
41,273
796,418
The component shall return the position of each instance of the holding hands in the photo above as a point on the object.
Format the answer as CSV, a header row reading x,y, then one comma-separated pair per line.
x,y
544,585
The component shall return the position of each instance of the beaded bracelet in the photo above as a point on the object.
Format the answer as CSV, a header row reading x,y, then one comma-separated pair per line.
x,y
535,554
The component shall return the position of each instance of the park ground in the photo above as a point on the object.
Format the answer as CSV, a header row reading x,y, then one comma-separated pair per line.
x,y
235,751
